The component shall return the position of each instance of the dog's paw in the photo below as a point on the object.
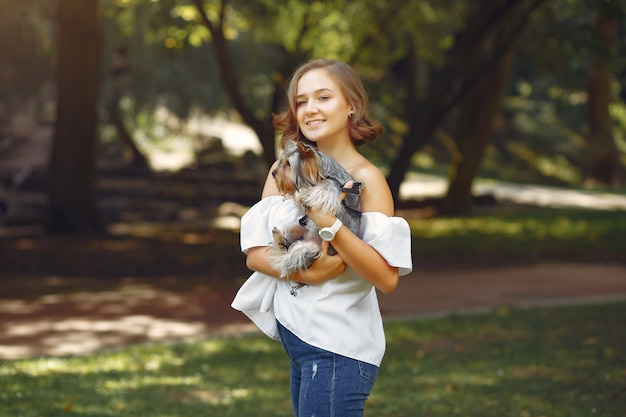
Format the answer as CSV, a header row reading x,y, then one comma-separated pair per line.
x,y
279,241
300,256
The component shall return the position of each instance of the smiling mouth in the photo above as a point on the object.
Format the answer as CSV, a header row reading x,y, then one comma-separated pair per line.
x,y
315,122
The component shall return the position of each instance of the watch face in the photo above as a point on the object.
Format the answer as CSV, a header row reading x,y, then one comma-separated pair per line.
x,y
326,234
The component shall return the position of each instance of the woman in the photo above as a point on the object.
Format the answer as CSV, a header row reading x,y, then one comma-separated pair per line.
x,y
330,327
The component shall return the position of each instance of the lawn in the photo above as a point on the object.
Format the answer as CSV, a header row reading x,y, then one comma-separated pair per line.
x,y
553,362
519,234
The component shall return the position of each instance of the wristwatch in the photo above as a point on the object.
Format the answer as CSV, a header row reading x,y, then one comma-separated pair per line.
x,y
328,233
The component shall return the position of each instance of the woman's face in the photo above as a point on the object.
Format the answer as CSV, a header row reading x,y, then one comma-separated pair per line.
x,y
321,108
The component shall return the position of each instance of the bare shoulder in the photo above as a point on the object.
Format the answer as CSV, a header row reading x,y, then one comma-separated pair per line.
x,y
269,188
376,196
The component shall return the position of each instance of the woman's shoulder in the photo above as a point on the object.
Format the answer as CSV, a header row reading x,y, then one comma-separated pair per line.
x,y
376,196
368,172
269,188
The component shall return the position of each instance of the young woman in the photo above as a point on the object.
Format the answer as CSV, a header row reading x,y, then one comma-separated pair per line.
x,y
329,322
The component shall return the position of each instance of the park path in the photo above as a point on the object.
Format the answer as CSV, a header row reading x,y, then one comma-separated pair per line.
x,y
418,186
58,322
137,311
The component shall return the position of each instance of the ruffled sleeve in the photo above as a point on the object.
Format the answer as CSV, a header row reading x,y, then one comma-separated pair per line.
x,y
256,224
391,237
255,298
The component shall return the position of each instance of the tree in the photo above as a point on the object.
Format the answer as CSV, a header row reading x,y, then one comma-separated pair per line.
x,y
605,163
262,125
72,192
115,114
478,109
554,66
420,78
455,79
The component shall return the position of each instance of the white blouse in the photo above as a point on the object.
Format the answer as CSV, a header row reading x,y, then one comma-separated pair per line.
x,y
340,315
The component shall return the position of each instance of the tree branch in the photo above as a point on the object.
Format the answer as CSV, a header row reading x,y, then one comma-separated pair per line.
x,y
226,68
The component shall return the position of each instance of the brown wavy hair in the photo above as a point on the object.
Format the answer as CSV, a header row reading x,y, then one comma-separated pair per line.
x,y
363,128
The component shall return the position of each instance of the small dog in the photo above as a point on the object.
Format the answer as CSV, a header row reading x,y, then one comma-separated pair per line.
x,y
316,181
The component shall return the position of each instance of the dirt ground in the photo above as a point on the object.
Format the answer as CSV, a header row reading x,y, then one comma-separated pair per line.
x,y
67,316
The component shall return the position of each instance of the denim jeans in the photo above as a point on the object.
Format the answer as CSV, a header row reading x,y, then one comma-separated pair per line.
x,y
324,384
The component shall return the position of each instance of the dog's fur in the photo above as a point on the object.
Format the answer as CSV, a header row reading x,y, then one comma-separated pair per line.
x,y
316,181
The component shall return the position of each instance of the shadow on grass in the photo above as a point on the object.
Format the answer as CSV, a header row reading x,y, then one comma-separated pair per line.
x,y
559,362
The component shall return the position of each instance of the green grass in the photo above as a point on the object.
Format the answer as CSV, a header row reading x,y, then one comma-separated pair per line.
x,y
520,234
556,362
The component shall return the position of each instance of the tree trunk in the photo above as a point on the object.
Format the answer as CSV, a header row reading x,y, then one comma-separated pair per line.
x,y
132,153
454,80
72,205
605,164
475,126
137,160
264,129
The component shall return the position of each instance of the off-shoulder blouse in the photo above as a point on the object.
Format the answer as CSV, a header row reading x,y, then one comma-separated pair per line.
x,y
340,315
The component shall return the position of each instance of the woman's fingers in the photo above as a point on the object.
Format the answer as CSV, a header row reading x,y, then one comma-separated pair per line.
x,y
325,245
348,185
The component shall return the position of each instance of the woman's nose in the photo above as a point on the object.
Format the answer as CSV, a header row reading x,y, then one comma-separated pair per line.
x,y
311,108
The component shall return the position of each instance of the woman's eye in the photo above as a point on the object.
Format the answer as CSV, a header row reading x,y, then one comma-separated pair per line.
x,y
323,98
300,103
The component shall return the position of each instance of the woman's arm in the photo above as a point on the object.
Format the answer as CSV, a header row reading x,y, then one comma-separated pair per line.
x,y
361,257
323,269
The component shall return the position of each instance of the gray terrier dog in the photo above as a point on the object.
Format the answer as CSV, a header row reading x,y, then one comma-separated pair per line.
x,y
316,181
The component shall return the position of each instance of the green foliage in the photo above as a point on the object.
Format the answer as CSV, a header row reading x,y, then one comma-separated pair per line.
x,y
560,362
170,63
157,70
543,142
618,111
519,235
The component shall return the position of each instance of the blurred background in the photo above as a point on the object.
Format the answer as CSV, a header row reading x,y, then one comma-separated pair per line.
x,y
173,99
135,133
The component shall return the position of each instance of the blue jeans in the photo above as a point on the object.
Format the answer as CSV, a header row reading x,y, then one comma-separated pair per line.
x,y
324,384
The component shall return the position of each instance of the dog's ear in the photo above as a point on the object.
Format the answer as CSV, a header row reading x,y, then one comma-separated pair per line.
x,y
304,148
309,167
306,151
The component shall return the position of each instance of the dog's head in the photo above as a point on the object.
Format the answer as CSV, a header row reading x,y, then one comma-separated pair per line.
x,y
298,167
293,233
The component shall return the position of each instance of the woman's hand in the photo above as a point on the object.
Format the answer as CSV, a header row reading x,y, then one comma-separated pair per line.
x,y
325,268
322,219
362,258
